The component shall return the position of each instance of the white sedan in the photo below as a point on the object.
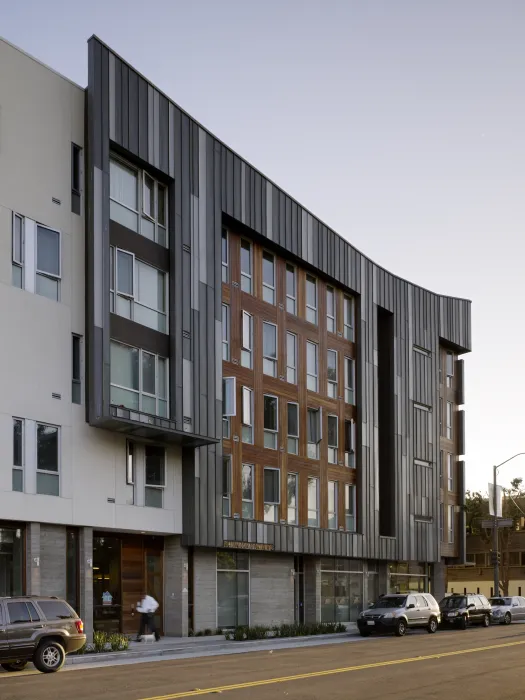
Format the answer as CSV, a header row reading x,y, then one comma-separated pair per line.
x,y
508,609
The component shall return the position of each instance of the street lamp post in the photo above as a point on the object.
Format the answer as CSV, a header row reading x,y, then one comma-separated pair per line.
x,y
495,543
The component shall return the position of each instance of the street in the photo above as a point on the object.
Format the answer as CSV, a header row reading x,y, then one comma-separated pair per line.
x,y
481,664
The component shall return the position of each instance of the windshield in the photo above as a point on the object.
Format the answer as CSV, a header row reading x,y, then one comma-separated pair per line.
x,y
397,601
453,603
500,601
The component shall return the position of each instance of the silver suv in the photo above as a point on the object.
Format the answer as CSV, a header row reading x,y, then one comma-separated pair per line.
x,y
399,612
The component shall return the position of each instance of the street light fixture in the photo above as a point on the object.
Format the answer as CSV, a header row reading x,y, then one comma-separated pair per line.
x,y
495,524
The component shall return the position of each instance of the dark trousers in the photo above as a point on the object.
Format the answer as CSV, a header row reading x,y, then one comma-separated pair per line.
x,y
147,621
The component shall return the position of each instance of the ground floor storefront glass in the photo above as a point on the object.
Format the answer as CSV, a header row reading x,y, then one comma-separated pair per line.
x,y
233,589
11,560
408,577
341,589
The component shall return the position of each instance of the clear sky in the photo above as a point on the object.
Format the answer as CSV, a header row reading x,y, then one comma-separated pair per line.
x,y
400,123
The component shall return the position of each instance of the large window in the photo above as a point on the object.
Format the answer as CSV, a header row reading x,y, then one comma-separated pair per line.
x,y
130,472
247,415
138,201
312,366
450,471
331,324
332,374
155,457
313,502
291,289
11,561
350,507
18,454
272,494
332,505
138,291
139,380
341,590
17,251
314,432
107,579
247,491
225,253
246,266
47,459
225,332
247,340
450,368
449,420
311,299
293,428
48,267
227,486
291,358
229,403
270,349
292,498
349,443
348,318
270,421
349,381
268,277
233,589
333,439
451,522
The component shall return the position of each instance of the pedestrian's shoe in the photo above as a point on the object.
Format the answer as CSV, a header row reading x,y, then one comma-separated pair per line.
x,y
157,637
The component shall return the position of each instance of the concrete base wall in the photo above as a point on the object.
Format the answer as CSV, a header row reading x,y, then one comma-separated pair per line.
x,y
438,581
271,589
53,545
312,589
175,588
204,589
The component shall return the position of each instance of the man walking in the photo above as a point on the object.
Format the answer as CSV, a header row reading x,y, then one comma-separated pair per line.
x,y
147,608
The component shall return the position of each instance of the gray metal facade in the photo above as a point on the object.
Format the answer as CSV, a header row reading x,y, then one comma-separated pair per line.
x,y
208,182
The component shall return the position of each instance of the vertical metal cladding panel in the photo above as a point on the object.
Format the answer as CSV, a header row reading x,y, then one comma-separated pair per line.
x,y
229,184
143,119
133,114
281,230
462,487
460,381
423,378
294,217
288,222
460,425
422,448
202,363
194,164
125,106
185,181
264,200
164,130
118,101
237,187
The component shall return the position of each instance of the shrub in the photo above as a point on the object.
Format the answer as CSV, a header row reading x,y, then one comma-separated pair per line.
x,y
239,634
219,631
100,640
200,633
208,632
228,635
256,632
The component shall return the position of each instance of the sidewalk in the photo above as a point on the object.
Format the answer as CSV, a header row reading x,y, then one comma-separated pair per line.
x,y
193,647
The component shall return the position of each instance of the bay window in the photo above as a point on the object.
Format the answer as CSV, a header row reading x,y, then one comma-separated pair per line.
x,y
139,380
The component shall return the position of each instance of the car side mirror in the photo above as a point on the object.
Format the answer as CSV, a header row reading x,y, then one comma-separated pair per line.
x,y
411,606
370,605
471,606
515,605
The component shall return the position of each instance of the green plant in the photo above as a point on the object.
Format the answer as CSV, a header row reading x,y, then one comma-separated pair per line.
x,y
340,627
239,634
257,632
228,635
208,632
100,640
219,631
191,633
200,633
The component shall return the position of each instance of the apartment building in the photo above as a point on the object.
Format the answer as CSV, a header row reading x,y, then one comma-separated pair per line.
x,y
209,393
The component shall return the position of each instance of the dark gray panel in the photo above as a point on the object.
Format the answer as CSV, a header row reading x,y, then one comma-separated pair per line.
x,y
228,184
164,115
125,105
118,101
460,425
185,180
143,119
142,247
133,113
194,164
460,382
237,189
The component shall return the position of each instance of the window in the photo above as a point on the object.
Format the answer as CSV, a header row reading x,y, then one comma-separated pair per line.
x,y
291,358
18,454
333,439
226,486
270,349
313,502
350,507
349,381
348,318
225,332
450,471
292,499
131,191
332,374
332,505
225,255
246,266
138,291
155,475
349,444
311,299
47,460
76,177
247,491
268,277
331,325
130,473
20,613
293,428
451,518
272,494
441,468
449,420
314,432
247,340
76,383
291,289
441,416
17,253
139,380
247,415
48,269
233,589
229,403
311,366
441,522
55,610
270,422
450,368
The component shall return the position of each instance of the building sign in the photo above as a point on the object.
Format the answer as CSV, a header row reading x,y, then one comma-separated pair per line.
x,y
252,546
107,598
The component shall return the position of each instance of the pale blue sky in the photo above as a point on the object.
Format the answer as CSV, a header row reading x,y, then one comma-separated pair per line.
x,y
400,123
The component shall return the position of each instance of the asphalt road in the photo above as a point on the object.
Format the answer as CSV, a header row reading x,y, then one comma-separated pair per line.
x,y
477,664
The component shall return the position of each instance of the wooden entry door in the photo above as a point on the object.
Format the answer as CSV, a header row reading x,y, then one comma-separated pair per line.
x,y
132,575
154,581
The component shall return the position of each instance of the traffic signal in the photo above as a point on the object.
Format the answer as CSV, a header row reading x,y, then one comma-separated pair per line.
x,y
495,558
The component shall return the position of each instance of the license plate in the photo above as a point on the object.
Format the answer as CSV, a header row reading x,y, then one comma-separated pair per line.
x,y
370,622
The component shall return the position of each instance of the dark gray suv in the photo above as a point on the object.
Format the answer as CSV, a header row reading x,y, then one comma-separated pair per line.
x,y
38,629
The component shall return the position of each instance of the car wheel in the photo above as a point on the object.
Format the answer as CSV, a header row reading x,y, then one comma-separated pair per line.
x,y
432,625
364,633
507,619
463,623
49,657
486,621
401,628
14,666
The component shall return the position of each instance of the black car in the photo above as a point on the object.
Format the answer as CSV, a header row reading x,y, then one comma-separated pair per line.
x,y
460,610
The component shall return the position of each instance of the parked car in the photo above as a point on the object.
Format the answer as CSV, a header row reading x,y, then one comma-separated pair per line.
x,y
38,629
397,613
508,609
463,610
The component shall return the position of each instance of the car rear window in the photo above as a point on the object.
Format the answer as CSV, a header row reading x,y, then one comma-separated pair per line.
x,y
19,613
56,610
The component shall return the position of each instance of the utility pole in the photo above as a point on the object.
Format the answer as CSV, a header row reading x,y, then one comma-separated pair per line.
x,y
495,552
